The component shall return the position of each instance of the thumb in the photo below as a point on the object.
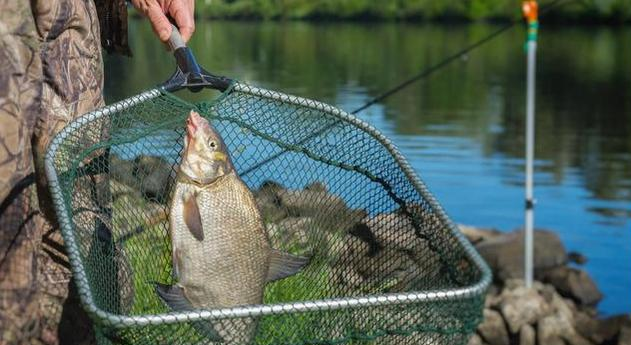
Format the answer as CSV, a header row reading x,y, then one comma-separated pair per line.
x,y
159,22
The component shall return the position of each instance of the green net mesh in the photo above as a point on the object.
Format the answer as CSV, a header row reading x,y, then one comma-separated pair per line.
x,y
387,266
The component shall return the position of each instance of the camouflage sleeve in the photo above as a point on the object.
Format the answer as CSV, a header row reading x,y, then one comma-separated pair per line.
x,y
51,72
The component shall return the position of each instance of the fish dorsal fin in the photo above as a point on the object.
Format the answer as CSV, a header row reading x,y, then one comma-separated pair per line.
x,y
173,296
192,217
283,265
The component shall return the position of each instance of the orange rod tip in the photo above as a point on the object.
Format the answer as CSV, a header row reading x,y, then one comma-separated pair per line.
x,y
530,8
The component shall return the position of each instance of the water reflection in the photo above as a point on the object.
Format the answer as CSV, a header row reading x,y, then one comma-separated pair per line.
x,y
462,129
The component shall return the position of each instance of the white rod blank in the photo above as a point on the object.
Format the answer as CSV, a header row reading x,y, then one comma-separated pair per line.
x,y
530,155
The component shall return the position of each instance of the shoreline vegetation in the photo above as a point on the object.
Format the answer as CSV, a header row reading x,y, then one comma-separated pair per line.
x,y
565,11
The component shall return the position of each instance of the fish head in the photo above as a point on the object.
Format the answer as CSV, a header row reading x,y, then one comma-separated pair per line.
x,y
205,154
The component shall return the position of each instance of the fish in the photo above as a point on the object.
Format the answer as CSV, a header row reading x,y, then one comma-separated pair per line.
x,y
222,256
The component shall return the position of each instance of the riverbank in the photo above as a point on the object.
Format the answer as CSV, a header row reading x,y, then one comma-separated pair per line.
x,y
596,11
561,306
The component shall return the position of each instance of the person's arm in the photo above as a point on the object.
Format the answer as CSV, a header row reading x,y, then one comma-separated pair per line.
x,y
159,11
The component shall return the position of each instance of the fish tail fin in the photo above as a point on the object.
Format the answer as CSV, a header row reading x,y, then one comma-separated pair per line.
x,y
173,296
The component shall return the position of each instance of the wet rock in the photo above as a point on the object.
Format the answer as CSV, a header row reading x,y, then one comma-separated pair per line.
x,y
476,235
501,253
522,306
527,335
492,329
573,283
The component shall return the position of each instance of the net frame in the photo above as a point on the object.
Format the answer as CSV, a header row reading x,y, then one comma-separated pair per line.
x,y
116,321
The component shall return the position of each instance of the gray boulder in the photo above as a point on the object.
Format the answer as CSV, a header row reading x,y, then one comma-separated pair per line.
x,y
492,329
609,329
624,338
586,325
297,233
155,176
269,203
522,306
503,253
527,335
573,283
149,176
553,328
122,171
476,235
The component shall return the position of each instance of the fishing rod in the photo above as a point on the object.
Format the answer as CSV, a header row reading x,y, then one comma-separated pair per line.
x,y
420,76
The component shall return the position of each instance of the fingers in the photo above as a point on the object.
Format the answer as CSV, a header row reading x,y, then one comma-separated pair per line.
x,y
159,22
182,12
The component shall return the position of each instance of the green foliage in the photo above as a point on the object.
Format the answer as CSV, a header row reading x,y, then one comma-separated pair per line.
x,y
586,10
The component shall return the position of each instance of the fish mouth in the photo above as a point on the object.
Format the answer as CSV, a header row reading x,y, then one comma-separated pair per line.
x,y
192,124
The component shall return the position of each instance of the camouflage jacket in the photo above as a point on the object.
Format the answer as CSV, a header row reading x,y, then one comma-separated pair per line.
x,y
113,21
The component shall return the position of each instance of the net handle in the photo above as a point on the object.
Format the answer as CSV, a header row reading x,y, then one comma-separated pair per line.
x,y
176,41
188,73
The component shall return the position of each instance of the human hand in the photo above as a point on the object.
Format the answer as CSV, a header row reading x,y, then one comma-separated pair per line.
x,y
179,10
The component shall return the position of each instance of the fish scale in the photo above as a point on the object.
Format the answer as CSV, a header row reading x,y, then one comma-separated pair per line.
x,y
230,265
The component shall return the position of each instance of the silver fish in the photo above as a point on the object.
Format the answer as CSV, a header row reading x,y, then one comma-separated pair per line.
x,y
221,252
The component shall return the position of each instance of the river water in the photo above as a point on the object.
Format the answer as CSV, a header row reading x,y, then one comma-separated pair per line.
x,y
463,128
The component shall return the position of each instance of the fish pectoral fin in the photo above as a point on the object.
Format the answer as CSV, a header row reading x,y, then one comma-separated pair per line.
x,y
173,296
283,265
192,217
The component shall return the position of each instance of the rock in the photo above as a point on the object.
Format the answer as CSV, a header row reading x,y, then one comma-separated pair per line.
x,y
522,306
148,175
329,210
553,328
476,235
492,329
577,258
297,233
608,329
122,171
393,230
574,284
475,340
526,335
562,307
624,338
576,339
153,176
502,253
585,325
269,203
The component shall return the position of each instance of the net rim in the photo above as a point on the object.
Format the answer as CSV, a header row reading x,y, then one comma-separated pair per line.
x,y
122,321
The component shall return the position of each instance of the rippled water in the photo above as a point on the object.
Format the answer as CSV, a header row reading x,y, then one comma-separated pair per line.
x,y
462,129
